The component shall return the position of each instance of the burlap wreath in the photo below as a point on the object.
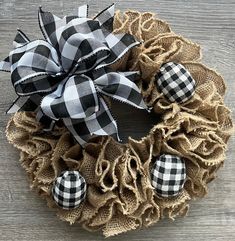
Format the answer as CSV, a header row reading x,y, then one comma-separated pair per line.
x,y
120,196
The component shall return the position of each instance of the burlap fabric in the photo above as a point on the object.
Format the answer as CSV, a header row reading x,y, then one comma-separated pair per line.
x,y
120,196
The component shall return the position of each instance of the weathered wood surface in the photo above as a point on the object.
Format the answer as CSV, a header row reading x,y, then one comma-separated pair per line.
x,y
24,216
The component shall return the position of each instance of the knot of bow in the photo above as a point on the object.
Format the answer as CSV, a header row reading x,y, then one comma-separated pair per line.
x,y
66,75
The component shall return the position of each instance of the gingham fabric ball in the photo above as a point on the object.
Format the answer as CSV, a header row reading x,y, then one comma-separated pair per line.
x,y
175,82
168,175
69,189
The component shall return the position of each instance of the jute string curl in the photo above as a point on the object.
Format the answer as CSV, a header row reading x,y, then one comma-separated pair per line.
x,y
120,196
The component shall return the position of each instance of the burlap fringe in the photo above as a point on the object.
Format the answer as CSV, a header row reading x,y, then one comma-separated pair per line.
x,y
119,195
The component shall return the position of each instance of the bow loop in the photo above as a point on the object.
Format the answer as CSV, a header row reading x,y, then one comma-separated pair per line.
x,y
34,68
119,86
82,41
77,40
119,45
76,98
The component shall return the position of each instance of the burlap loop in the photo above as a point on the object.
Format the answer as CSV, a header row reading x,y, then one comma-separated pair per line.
x,y
161,45
119,195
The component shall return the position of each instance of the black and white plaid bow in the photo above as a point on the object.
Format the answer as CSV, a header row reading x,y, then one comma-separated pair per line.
x,y
66,75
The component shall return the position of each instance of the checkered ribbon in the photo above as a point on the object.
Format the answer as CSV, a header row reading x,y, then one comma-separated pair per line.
x,y
66,75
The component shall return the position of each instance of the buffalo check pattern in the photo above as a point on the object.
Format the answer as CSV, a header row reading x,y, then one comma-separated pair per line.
x,y
69,189
66,76
168,175
175,82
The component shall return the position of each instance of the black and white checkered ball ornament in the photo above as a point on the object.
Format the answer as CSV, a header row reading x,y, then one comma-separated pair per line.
x,y
175,82
168,175
69,189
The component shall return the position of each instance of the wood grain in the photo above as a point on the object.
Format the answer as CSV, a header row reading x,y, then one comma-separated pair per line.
x,y
24,216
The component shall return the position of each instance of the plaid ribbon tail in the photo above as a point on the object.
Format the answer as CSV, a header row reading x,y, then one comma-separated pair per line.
x,y
25,103
119,44
5,65
20,39
47,23
32,104
106,18
101,123
47,123
83,11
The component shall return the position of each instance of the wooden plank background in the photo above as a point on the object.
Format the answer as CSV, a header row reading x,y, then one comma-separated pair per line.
x,y
24,216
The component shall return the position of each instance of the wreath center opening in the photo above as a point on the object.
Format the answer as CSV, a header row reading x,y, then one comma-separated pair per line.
x,y
132,122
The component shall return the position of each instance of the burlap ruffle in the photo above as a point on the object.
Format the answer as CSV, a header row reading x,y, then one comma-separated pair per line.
x,y
120,196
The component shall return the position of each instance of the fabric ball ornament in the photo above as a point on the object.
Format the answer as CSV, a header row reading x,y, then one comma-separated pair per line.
x,y
69,189
175,82
168,175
